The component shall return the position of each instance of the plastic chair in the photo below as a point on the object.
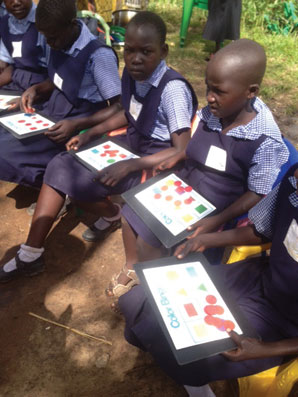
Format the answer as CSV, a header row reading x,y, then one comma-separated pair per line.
x,y
186,15
86,13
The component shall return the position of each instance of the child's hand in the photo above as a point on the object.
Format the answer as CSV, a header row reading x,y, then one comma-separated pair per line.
x,y
28,99
111,175
194,245
247,348
205,225
14,104
77,141
165,165
61,131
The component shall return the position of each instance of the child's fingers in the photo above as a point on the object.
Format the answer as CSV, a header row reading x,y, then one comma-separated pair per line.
x,y
182,251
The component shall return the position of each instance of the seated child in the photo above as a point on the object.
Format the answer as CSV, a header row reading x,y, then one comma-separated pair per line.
x,y
264,288
232,159
159,105
22,48
83,80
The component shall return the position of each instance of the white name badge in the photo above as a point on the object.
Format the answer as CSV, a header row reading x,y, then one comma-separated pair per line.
x,y
58,81
217,158
135,107
17,49
291,240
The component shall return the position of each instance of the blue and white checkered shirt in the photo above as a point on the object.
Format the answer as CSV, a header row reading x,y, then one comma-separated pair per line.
x,y
269,156
101,80
262,214
3,10
20,26
175,108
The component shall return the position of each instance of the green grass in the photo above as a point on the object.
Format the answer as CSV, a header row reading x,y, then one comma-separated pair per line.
x,y
279,88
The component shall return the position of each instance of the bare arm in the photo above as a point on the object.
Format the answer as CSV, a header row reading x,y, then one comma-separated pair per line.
x,y
6,75
250,348
114,173
38,92
241,236
239,207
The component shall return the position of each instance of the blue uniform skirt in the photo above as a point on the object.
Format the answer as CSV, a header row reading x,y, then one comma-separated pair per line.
x,y
244,280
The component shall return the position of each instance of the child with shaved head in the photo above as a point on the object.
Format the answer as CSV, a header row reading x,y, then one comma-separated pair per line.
x,y
232,159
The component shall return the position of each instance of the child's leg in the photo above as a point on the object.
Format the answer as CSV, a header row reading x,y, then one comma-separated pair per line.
x,y
29,258
136,250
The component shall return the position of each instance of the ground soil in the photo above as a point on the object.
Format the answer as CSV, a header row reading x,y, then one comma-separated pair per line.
x,y
38,359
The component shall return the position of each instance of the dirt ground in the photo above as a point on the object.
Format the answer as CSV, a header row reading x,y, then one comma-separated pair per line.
x,y
38,359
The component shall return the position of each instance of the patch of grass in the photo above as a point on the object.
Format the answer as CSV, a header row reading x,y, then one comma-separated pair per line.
x,y
279,88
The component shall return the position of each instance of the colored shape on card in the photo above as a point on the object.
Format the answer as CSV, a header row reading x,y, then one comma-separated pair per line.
x,y
111,161
106,146
94,151
21,121
187,218
177,183
164,188
202,287
177,203
200,330
123,156
38,121
190,310
229,324
172,275
157,196
33,128
211,299
189,200
103,155
213,309
28,114
201,208
188,189
170,182
180,190
45,125
27,124
191,271
169,198
182,292
156,190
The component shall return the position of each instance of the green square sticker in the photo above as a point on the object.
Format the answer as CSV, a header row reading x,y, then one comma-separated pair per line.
x,y
201,208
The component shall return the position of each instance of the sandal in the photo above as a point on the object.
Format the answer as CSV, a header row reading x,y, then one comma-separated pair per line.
x,y
117,289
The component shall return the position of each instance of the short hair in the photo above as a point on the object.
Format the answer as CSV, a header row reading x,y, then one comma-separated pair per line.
x,y
150,18
55,13
246,56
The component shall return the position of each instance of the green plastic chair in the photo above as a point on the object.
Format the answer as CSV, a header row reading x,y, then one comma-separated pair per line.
x,y
186,15
86,13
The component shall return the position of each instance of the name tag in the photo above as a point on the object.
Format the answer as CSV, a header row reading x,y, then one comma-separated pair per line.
x,y
217,158
291,240
17,49
135,107
58,81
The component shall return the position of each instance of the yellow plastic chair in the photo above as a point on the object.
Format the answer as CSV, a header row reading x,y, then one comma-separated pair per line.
x,y
275,382
242,252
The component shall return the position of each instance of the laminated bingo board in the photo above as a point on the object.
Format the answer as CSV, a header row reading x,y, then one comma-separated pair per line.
x,y
168,206
25,125
192,306
5,97
101,153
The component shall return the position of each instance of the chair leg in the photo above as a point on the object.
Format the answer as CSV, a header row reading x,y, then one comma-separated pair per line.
x,y
186,15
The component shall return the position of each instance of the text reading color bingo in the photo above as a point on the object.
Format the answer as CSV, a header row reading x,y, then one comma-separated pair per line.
x,y
4,99
190,305
105,154
26,123
174,203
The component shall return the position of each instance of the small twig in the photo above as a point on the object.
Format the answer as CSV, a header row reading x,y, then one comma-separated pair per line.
x,y
72,329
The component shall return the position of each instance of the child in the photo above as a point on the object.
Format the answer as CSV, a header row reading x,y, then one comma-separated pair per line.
x,y
264,288
22,48
232,159
158,106
83,80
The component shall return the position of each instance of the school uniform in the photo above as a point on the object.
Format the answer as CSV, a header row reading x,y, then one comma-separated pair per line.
x,y
264,288
3,10
222,167
23,47
85,77
163,104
